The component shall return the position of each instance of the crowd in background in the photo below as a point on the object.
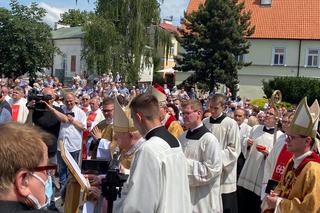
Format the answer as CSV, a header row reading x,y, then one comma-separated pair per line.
x,y
75,112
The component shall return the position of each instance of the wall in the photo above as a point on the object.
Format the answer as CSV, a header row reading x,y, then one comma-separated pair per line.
x,y
250,78
69,47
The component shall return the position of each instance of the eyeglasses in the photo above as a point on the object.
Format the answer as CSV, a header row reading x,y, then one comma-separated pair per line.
x,y
85,99
50,170
188,113
107,110
269,113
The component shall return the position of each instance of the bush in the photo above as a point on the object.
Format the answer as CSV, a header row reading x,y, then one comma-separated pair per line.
x,y
260,102
293,89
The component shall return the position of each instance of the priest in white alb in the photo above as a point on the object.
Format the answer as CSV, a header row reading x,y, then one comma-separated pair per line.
x,y
259,145
204,163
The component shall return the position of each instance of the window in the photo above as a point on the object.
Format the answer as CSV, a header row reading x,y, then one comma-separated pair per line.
x,y
171,51
241,58
313,58
73,63
279,56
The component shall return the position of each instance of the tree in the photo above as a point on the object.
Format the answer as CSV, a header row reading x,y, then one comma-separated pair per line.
x,y
121,35
293,88
24,40
75,17
213,38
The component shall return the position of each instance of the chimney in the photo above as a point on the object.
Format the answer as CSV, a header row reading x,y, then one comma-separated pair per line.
x,y
168,20
266,2
59,26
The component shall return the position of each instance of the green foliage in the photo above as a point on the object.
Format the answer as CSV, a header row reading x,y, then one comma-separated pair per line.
x,y
75,17
122,35
213,38
293,89
260,102
24,40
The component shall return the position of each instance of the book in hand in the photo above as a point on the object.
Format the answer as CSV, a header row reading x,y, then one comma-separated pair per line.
x,y
74,167
272,184
261,148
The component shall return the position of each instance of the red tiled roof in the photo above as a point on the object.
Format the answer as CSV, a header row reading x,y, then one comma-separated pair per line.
x,y
284,19
170,27
194,5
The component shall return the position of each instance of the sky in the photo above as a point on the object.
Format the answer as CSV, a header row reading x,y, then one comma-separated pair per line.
x,y
54,8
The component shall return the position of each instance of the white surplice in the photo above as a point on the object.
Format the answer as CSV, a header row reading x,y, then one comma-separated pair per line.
x,y
204,171
158,180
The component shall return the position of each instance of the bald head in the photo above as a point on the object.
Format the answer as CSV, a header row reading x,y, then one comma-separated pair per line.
x,y
48,91
239,116
69,100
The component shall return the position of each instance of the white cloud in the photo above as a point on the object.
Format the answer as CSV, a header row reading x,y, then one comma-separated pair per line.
x,y
169,8
174,8
53,13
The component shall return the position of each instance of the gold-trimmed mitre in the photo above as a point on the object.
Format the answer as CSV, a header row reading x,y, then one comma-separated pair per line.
x,y
122,121
305,119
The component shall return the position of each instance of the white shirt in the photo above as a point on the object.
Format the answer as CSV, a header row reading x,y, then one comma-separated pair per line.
x,y
71,136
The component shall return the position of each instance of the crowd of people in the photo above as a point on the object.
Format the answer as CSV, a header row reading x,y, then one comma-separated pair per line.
x,y
183,151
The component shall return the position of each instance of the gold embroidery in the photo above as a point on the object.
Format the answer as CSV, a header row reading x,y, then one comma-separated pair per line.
x,y
288,182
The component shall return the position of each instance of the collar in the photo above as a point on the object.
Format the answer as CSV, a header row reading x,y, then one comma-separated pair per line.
x,y
164,134
268,129
200,125
217,120
150,130
197,133
298,160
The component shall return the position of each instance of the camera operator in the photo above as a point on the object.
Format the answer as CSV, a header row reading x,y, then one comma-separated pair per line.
x,y
48,122
46,119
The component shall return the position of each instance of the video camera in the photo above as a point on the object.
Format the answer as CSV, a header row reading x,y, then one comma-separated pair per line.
x,y
38,97
113,182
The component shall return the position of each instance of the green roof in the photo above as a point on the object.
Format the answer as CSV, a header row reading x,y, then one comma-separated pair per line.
x,y
67,33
